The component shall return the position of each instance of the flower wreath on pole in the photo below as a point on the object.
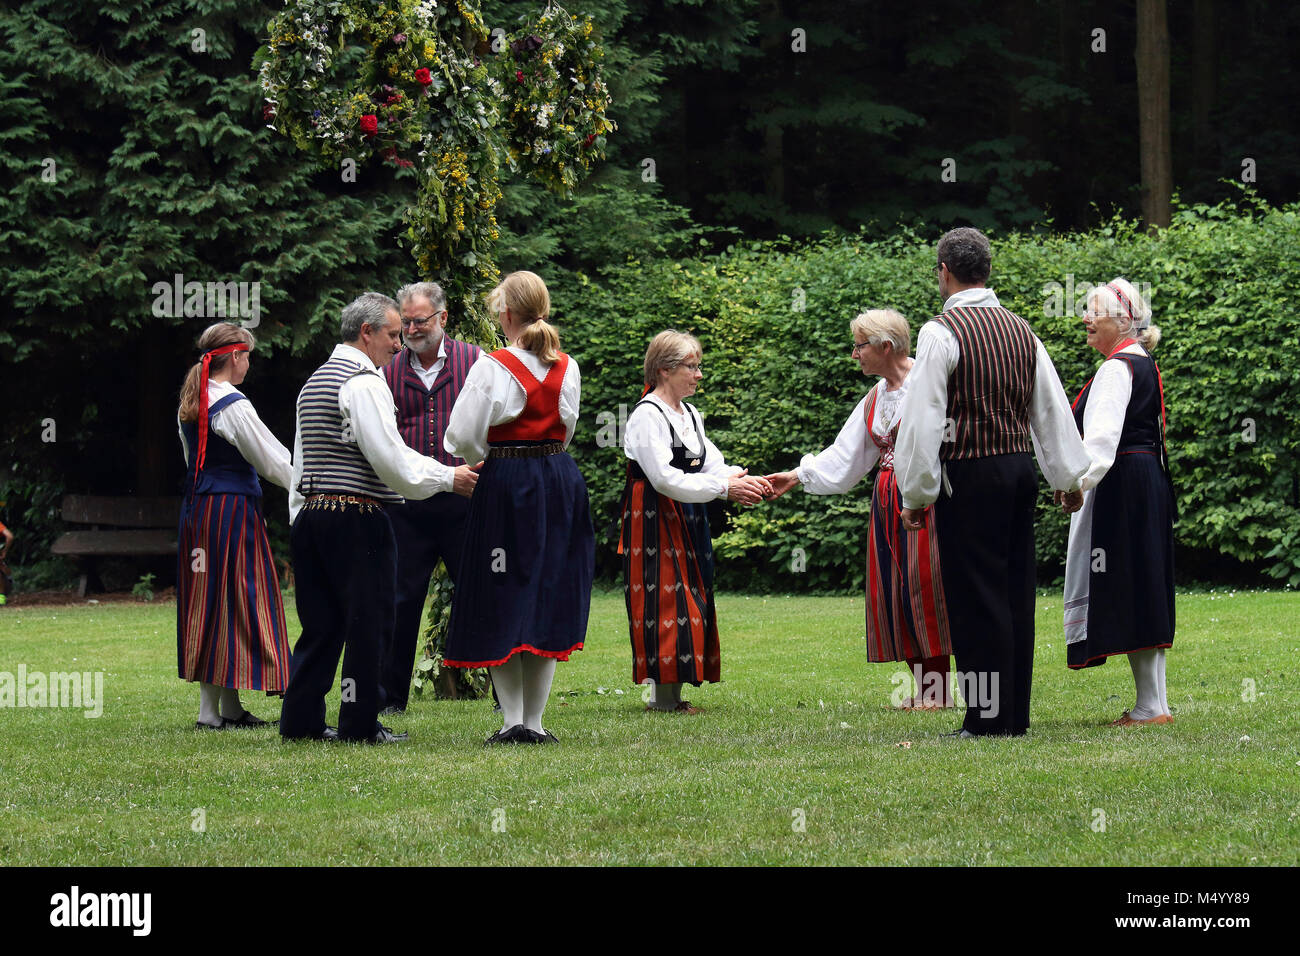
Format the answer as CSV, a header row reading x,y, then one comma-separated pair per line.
x,y
424,85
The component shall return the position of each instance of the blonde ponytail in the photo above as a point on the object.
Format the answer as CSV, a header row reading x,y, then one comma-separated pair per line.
x,y
525,295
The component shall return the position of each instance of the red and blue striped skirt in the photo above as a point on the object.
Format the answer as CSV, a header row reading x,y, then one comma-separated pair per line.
x,y
230,628
907,617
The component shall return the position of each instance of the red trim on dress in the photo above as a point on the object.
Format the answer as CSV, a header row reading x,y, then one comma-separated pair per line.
x,y
558,655
1098,657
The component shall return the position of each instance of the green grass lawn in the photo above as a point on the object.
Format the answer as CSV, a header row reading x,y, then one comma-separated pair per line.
x,y
800,730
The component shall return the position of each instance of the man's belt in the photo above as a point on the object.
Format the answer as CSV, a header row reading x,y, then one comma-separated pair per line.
x,y
526,451
341,503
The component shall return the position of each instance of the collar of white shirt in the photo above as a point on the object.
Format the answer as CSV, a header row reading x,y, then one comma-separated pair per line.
x,y
352,353
442,354
980,298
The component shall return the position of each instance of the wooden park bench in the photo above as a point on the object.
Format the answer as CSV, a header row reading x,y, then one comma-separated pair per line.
x,y
152,523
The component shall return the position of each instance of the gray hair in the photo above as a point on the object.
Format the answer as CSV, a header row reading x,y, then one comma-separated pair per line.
x,y
424,290
966,253
369,308
883,325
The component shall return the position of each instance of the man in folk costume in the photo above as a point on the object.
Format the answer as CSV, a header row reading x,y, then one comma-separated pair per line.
x,y
349,464
982,388
425,378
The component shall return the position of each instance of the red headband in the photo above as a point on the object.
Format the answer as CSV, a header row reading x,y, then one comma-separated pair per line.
x,y
1123,300
208,356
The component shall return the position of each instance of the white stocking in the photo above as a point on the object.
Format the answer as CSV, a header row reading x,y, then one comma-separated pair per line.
x,y
1146,680
209,694
539,672
508,679
1160,671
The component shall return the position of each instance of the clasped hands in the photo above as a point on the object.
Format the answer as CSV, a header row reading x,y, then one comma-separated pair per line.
x,y
1070,501
745,489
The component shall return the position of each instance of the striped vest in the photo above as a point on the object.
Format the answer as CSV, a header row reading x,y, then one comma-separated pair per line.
x,y
331,461
990,388
422,413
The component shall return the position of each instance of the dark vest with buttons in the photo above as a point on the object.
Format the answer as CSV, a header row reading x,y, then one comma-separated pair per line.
x,y
331,461
422,413
990,388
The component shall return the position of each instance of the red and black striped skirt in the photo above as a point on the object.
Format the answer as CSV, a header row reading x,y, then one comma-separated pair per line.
x,y
907,617
668,583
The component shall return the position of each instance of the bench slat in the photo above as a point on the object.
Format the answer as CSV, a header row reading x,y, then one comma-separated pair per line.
x,y
125,512
124,543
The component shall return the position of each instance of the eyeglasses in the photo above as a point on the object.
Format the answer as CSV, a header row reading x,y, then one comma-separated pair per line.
x,y
859,346
692,366
418,322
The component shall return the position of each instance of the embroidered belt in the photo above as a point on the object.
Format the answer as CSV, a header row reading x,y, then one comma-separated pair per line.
x,y
526,451
341,502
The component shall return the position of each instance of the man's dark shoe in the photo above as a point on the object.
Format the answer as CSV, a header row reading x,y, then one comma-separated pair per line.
x,y
385,735
392,709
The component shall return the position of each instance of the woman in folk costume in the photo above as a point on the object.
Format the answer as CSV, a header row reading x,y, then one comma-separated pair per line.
x,y
1119,570
673,470
907,619
230,630
530,552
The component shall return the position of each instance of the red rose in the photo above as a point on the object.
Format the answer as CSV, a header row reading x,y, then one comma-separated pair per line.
x,y
268,111
422,76
370,124
519,75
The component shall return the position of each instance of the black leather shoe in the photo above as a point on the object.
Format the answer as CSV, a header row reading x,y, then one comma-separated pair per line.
x,y
545,737
385,735
329,733
248,720
200,725
961,734
518,734
392,709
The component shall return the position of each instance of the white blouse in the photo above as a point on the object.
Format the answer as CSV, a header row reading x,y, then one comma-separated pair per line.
x,y
239,424
648,441
853,454
491,396
1103,417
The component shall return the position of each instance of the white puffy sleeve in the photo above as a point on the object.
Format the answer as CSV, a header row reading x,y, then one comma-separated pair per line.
x,y
1103,418
647,440
1057,446
239,424
840,466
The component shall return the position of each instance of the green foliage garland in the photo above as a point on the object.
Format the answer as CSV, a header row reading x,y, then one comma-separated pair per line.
x,y
416,84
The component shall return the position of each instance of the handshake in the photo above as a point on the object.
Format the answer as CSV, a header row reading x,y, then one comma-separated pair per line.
x,y
746,490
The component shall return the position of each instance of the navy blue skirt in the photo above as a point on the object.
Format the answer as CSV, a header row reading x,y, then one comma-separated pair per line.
x,y
527,565
1131,597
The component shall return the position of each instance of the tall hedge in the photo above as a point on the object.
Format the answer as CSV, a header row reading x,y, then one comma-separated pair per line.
x,y
779,380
